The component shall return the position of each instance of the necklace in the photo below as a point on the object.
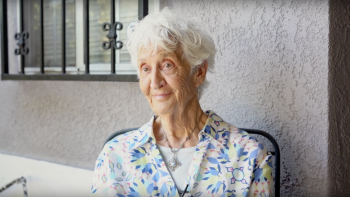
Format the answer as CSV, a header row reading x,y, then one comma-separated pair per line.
x,y
174,163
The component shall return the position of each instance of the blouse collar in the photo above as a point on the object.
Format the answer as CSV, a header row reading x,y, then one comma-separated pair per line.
x,y
215,128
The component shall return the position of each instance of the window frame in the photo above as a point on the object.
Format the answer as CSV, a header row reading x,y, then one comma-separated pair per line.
x,y
86,76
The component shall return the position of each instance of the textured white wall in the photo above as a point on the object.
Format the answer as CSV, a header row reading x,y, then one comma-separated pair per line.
x,y
271,74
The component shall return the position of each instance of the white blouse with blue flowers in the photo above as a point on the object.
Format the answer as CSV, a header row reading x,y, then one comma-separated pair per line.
x,y
227,162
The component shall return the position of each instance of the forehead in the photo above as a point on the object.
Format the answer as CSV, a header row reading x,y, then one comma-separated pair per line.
x,y
147,54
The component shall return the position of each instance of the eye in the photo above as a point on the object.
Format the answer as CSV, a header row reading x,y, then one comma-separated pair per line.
x,y
145,68
168,65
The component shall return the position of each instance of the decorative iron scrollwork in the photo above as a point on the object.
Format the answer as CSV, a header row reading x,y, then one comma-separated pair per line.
x,y
112,36
22,37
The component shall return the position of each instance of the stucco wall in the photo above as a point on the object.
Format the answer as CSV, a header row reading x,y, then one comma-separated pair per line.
x,y
271,74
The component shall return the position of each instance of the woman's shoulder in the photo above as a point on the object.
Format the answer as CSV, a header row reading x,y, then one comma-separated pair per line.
x,y
237,134
131,139
245,143
233,134
122,139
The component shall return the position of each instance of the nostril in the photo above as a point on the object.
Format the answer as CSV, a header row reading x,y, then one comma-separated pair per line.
x,y
162,83
158,84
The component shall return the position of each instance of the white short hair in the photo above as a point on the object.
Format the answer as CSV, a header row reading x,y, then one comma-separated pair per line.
x,y
168,31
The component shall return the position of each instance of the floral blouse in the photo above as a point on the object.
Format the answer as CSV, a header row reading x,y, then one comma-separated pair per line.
x,y
227,162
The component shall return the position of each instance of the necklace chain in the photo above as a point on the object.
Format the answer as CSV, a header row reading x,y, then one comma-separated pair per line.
x,y
187,138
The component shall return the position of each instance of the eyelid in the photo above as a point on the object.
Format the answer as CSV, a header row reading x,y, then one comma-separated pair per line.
x,y
144,66
140,65
168,63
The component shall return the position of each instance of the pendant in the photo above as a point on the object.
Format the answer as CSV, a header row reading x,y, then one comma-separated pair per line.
x,y
173,163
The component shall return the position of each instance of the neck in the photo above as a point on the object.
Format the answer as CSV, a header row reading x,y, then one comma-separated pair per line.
x,y
179,125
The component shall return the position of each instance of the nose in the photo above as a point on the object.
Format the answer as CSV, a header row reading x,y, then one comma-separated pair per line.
x,y
157,79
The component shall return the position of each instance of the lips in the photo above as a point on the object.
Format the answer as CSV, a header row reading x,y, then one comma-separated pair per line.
x,y
161,96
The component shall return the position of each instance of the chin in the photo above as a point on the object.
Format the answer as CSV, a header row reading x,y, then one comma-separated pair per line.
x,y
164,107
162,110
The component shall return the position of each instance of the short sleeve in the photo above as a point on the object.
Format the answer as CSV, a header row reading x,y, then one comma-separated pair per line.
x,y
262,179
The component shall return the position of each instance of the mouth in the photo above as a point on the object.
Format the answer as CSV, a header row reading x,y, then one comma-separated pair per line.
x,y
161,96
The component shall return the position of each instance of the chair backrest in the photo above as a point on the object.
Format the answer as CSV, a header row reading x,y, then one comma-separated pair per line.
x,y
275,153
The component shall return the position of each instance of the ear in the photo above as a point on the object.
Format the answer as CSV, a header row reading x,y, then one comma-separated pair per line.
x,y
201,73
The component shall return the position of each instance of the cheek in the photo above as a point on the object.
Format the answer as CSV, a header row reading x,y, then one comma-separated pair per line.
x,y
184,85
144,86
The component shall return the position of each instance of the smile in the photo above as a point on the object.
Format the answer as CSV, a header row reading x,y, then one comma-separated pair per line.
x,y
161,96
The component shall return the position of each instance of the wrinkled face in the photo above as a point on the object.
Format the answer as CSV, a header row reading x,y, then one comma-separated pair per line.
x,y
166,81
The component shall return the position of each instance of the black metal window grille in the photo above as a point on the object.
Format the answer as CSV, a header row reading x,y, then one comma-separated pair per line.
x,y
113,44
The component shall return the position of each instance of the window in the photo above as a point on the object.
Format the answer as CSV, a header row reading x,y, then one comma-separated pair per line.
x,y
45,60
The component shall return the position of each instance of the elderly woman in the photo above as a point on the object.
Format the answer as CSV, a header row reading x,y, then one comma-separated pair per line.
x,y
182,149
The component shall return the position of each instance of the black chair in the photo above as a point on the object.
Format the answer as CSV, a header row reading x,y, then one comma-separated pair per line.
x,y
275,153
